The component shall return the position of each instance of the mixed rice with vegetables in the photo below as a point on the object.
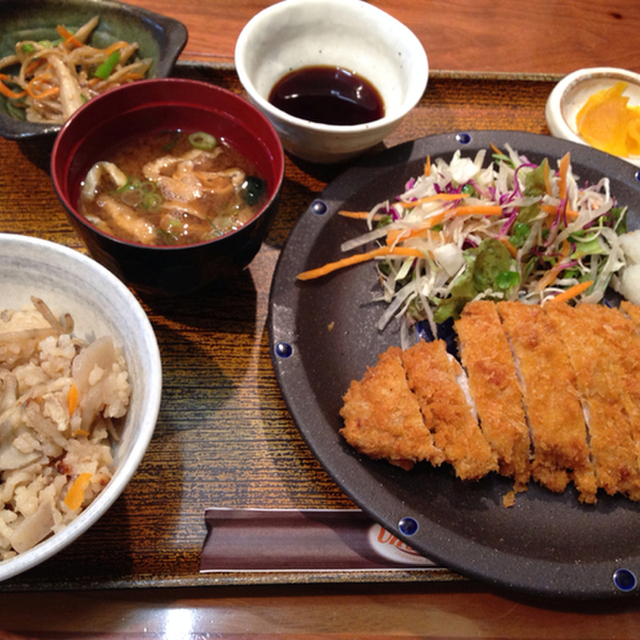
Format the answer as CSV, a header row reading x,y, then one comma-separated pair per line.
x,y
60,402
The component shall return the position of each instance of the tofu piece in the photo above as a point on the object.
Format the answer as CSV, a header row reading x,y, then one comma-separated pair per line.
x,y
552,402
382,417
433,376
493,382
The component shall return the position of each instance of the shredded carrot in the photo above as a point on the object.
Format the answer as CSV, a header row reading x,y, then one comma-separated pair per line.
x,y
114,47
5,91
438,196
407,252
550,276
395,235
552,210
427,166
72,399
495,149
80,432
556,270
69,38
572,292
47,93
75,495
359,215
35,63
465,210
512,250
131,76
478,209
562,175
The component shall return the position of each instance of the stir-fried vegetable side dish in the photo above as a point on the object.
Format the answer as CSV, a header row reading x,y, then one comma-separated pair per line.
x,y
171,188
513,230
47,81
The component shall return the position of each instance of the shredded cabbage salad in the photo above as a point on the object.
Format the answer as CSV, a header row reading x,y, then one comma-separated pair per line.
x,y
513,229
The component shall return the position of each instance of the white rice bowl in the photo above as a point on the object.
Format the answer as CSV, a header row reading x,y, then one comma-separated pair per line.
x,y
100,304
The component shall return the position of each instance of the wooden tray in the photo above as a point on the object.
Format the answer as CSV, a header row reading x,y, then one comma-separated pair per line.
x,y
224,437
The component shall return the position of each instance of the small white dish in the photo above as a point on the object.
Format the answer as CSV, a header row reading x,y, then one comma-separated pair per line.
x,y
100,304
571,93
350,34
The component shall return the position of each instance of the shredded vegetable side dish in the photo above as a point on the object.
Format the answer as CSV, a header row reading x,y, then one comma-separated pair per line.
x,y
47,81
509,229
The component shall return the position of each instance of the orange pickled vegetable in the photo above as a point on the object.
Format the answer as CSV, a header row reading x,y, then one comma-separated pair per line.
x,y
607,122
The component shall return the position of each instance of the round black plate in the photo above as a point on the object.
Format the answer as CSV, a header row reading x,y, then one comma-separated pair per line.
x,y
323,335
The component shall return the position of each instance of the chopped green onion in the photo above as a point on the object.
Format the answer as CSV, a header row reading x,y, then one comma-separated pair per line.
x,y
105,69
15,110
27,47
152,201
201,140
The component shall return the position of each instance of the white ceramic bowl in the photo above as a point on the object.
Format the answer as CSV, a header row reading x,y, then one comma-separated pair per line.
x,y
570,94
100,304
351,34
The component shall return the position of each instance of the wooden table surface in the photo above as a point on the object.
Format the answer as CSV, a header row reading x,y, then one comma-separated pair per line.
x,y
546,36
135,574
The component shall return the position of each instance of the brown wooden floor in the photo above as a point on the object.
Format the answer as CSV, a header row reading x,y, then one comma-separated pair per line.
x,y
541,36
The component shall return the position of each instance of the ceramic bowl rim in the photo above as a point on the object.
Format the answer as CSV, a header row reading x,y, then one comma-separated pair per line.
x,y
146,428
415,92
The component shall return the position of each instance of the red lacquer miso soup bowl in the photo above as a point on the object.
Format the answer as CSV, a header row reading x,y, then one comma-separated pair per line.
x,y
171,183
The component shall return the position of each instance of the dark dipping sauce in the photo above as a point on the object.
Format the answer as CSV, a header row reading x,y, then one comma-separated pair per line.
x,y
329,95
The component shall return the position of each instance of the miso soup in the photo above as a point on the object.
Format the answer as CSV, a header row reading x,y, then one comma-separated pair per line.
x,y
171,188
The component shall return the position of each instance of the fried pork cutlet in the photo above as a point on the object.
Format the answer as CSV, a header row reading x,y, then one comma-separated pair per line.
x,y
631,311
623,344
599,373
432,375
556,421
494,386
382,417
628,344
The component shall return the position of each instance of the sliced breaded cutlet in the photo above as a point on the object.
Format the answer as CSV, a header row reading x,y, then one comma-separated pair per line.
x,y
382,416
599,374
433,376
619,365
627,341
632,311
552,402
495,388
